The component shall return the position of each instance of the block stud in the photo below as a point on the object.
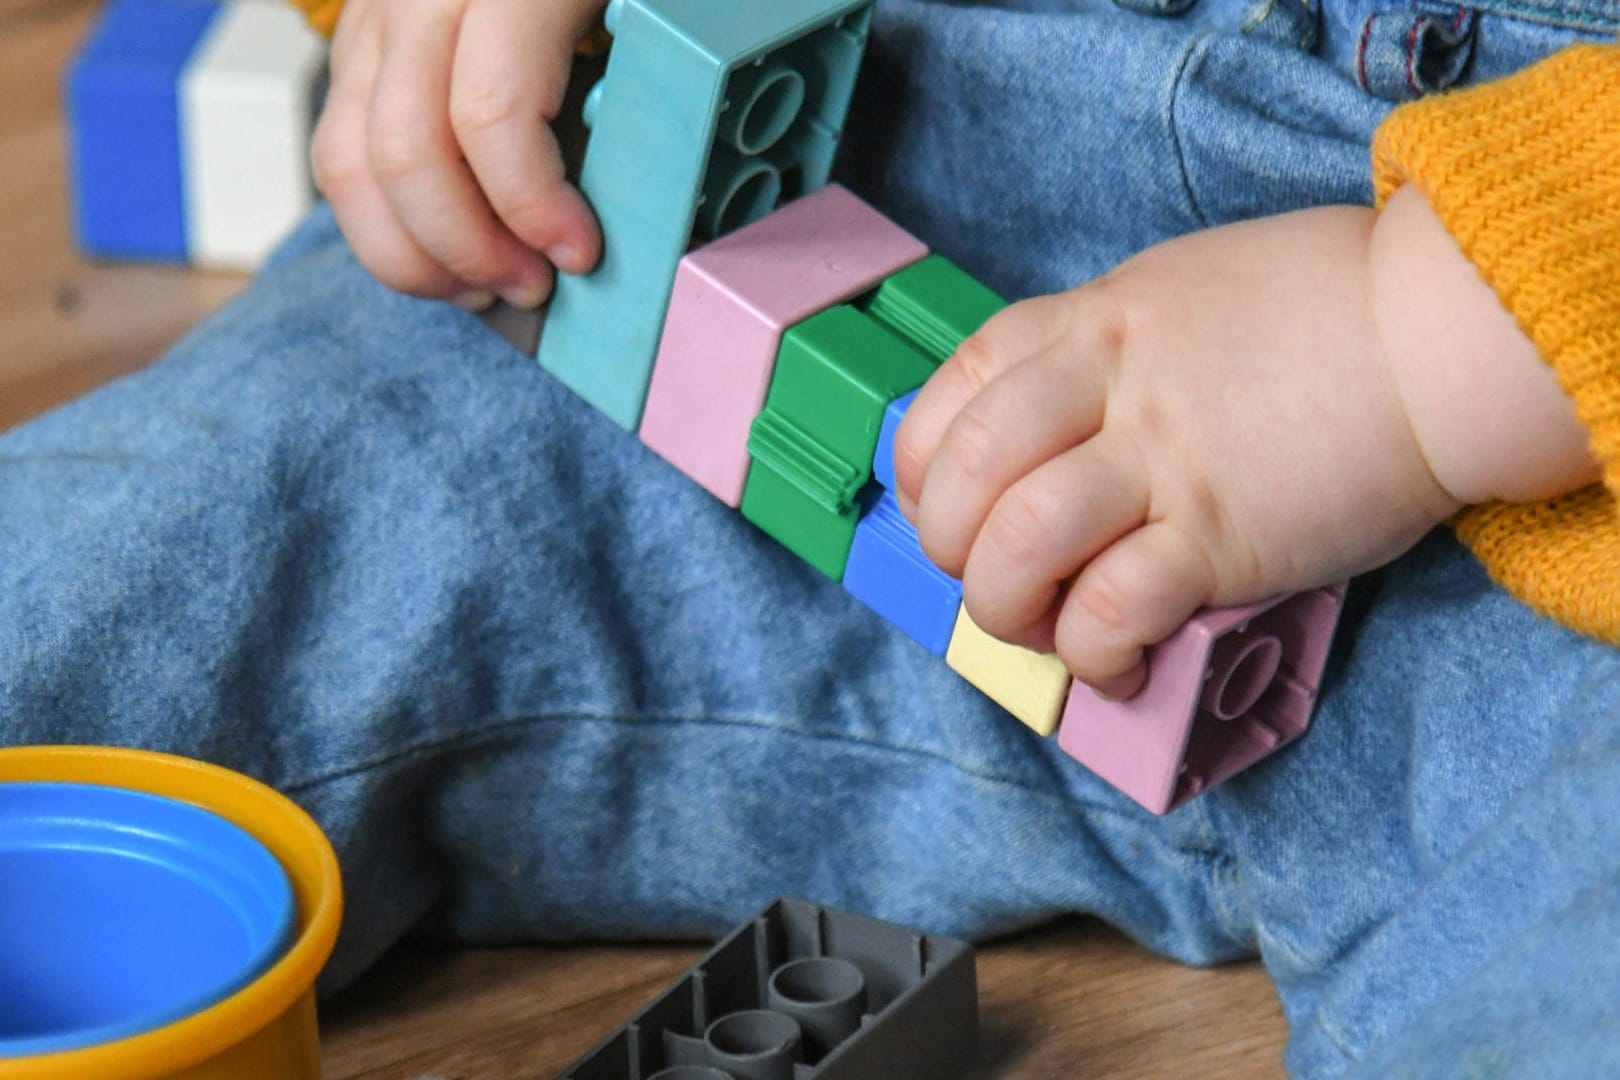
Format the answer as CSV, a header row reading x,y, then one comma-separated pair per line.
x,y
825,994
762,102
1241,670
592,104
755,1044
738,190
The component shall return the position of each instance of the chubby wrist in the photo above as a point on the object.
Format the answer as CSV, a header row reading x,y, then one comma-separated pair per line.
x,y
1487,413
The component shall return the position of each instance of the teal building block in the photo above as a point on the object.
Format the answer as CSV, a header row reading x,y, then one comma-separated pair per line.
x,y
708,117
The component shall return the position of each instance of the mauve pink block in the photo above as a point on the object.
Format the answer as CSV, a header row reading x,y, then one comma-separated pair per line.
x,y
731,304
1193,726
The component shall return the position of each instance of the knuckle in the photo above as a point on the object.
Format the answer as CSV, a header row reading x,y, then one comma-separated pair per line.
x,y
396,152
484,109
1108,600
338,179
1115,312
1020,526
977,360
910,461
337,170
971,444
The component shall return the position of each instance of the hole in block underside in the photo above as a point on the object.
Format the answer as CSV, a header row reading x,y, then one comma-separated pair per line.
x,y
1260,690
782,112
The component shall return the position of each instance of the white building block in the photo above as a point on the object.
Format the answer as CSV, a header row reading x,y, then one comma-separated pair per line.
x,y
247,106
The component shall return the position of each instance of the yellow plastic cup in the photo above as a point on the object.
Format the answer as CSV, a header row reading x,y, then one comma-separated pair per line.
x,y
267,1029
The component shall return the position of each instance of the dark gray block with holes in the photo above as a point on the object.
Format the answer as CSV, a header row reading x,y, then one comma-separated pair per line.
x,y
804,992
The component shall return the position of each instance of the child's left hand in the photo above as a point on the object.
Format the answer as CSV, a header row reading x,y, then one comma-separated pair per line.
x,y
1212,423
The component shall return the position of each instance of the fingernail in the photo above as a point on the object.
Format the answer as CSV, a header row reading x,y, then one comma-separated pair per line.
x,y
1134,679
526,296
475,300
566,258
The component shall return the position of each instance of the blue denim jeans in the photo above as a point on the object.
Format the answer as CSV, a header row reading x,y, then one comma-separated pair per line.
x,y
536,685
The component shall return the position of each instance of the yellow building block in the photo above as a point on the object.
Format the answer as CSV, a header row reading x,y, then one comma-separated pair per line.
x,y
1032,686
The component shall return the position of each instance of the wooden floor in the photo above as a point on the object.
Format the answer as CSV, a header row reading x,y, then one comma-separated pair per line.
x,y
1075,1000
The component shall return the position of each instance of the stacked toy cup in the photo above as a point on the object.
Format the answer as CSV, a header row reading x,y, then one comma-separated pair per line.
x,y
160,919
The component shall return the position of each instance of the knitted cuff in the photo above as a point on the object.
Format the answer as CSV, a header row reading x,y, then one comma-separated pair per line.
x,y
1525,175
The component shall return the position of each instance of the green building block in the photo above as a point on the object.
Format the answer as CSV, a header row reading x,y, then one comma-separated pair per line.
x,y
812,447
935,305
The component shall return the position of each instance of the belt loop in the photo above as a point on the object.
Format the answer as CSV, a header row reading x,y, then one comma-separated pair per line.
x,y
1404,55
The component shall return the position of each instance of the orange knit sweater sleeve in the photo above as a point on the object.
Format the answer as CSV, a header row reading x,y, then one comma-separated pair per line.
x,y
1525,174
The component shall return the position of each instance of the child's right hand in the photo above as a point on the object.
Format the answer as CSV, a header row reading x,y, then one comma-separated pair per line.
x,y
1255,409
436,151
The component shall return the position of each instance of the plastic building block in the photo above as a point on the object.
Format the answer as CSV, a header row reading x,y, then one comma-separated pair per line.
x,y
883,458
888,571
189,128
804,992
1030,685
935,305
1229,688
812,447
733,301
247,106
124,119
708,116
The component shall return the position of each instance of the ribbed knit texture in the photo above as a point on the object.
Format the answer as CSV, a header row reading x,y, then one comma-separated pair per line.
x,y
322,14
1525,175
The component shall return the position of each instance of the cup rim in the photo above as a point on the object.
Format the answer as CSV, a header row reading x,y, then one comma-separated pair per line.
x,y
119,828
266,815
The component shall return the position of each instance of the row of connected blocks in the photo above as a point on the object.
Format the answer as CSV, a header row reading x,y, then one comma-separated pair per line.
x,y
770,353
760,329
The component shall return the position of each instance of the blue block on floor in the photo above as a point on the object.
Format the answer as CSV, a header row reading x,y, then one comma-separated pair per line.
x,y
883,460
124,122
710,115
888,571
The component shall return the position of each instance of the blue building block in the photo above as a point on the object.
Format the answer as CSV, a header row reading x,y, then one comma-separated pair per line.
x,y
124,118
709,116
883,460
888,571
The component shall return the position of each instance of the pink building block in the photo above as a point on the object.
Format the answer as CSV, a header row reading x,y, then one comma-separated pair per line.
x,y
1230,687
732,302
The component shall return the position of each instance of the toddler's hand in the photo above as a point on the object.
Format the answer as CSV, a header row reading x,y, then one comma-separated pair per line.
x,y
436,151
1212,423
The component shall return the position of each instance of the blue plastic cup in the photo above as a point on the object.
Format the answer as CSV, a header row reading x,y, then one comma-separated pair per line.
x,y
122,912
